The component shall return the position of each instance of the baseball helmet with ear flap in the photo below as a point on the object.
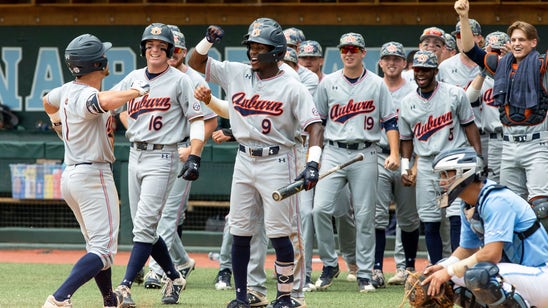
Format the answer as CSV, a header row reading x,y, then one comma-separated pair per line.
x,y
161,32
86,54
267,31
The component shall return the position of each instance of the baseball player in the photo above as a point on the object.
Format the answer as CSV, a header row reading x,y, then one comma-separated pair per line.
x,y
503,254
436,116
294,37
354,103
390,187
431,39
520,81
311,56
450,47
79,113
155,127
307,77
175,208
481,89
267,109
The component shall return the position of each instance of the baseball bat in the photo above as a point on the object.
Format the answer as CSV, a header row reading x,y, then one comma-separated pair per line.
x,y
295,187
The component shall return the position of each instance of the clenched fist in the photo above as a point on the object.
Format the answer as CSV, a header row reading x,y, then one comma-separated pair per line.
x,y
214,34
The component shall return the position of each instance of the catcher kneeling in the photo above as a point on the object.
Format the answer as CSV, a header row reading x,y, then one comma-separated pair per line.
x,y
503,253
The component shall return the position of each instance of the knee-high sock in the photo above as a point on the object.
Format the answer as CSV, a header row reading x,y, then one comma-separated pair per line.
x,y
433,241
103,279
410,243
455,232
160,253
139,256
380,245
86,268
240,259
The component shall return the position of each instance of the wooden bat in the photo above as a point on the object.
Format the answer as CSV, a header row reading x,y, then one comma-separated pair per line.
x,y
295,187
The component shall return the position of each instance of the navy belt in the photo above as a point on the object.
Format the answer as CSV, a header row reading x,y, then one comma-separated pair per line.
x,y
495,135
350,146
146,146
260,151
78,164
521,138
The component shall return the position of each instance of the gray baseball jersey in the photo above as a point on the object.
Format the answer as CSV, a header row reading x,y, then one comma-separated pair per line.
x,y
85,129
149,116
355,110
432,122
397,97
456,72
308,78
267,117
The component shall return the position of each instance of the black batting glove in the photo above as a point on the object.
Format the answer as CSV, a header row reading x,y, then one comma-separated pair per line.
x,y
190,171
214,34
310,175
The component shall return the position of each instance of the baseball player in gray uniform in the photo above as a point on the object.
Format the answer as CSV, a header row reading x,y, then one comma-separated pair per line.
x,y
80,114
267,109
481,89
435,117
431,39
155,128
520,83
354,103
173,213
311,56
390,187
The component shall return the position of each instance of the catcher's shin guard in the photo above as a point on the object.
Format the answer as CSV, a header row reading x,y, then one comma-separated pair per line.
x,y
466,299
486,284
284,277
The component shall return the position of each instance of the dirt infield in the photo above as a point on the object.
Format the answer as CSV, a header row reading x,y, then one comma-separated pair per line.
x,y
54,256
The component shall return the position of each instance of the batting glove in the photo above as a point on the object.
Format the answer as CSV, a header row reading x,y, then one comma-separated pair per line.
x,y
214,34
141,86
190,170
310,175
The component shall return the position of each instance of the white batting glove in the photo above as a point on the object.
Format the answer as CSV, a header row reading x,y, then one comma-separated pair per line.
x,y
141,86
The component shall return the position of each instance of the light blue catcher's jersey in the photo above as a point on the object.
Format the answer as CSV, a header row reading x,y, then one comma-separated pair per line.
x,y
504,214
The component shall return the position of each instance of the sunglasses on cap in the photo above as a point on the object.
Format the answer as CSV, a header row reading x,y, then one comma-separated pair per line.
x,y
350,48
178,50
434,32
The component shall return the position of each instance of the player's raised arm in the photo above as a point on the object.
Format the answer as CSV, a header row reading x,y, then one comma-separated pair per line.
x,y
462,7
198,59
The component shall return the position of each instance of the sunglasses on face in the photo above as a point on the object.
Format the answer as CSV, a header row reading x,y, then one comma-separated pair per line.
x,y
178,50
351,49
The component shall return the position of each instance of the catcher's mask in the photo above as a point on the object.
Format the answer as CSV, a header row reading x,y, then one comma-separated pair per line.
x,y
268,32
457,168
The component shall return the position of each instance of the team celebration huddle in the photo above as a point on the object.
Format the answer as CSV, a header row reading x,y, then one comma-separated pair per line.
x,y
453,136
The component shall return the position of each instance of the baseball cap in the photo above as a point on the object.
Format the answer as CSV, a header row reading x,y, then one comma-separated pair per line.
x,y
392,49
174,28
425,58
310,49
497,39
450,42
474,24
290,55
433,32
351,39
178,39
294,36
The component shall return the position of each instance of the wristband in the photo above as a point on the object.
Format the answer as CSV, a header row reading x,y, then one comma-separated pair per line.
x,y
314,154
203,47
197,130
404,165
451,270
449,261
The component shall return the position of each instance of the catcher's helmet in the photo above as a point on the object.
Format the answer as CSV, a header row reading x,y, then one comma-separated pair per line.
x,y
161,32
466,163
86,54
267,31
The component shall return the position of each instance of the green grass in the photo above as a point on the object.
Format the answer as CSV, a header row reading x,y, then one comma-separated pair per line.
x,y
28,285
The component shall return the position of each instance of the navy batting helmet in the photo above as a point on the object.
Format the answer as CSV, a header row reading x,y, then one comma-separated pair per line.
x,y
86,54
267,31
161,32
